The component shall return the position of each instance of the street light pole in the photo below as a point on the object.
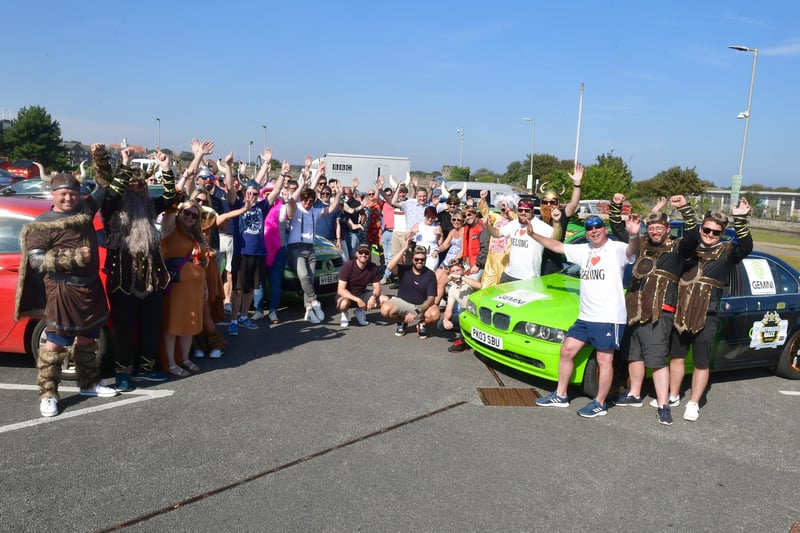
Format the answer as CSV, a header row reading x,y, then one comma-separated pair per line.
x,y
533,133
460,132
158,145
265,135
736,183
249,159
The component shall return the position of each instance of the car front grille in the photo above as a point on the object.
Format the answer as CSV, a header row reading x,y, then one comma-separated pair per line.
x,y
499,321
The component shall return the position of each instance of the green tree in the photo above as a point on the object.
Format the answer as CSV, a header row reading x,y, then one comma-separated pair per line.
x,y
35,135
459,174
484,175
672,181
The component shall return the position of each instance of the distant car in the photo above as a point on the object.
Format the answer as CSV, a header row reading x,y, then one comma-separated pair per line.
x,y
27,335
326,276
7,178
38,188
523,324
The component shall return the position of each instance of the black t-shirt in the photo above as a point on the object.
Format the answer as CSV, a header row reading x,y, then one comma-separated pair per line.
x,y
415,288
358,278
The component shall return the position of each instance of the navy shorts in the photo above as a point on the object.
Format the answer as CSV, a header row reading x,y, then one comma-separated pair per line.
x,y
602,335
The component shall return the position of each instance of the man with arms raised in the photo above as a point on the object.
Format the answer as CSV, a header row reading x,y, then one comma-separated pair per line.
x,y
602,316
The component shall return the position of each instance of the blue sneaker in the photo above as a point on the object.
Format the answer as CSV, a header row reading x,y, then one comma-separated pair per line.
x,y
664,415
153,376
247,323
553,400
122,383
628,400
592,409
233,328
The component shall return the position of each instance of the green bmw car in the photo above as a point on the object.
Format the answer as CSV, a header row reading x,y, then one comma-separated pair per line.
x,y
522,324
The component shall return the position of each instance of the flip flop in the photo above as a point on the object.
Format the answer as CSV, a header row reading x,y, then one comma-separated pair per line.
x,y
178,371
190,366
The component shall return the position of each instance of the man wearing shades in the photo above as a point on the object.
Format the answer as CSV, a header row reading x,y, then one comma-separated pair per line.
x,y
602,315
549,210
699,293
525,254
416,293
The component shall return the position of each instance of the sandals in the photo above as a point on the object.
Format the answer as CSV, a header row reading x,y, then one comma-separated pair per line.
x,y
190,366
178,371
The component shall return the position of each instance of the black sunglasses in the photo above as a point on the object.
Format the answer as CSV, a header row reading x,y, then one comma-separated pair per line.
x,y
710,231
362,252
595,226
523,210
193,215
549,202
420,259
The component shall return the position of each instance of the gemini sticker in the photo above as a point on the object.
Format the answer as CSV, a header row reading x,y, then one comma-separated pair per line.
x,y
770,332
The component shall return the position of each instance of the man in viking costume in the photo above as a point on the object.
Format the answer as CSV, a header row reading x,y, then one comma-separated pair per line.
x,y
699,295
59,282
548,202
134,266
652,297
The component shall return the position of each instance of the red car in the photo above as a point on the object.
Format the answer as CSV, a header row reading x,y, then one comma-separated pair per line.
x,y
26,335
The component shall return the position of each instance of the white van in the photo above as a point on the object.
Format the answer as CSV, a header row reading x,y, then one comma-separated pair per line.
x,y
472,189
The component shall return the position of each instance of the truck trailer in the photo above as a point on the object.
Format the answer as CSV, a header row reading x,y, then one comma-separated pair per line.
x,y
367,168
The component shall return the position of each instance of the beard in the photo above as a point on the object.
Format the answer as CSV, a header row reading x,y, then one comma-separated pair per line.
x,y
546,212
132,227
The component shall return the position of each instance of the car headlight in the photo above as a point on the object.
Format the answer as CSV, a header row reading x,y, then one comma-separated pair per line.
x,y
471,307
545,333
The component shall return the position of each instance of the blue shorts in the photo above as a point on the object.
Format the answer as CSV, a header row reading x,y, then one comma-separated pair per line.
x,y
63,340
602,335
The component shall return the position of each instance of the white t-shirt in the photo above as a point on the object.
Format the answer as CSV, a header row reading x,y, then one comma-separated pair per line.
x,y
525,254
602,269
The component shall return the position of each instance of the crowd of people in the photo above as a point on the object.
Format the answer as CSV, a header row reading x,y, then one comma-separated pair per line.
x,y
225,239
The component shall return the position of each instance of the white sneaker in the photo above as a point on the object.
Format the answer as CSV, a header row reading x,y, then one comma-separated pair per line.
x,y
316,307
273,316
674,401
692,411
344,322
216,353
48,406
99,390
258,315
198,354
311,316
361,317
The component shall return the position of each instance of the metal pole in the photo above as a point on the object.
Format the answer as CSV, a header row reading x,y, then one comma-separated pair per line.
x,y
533,135
265,135
580,114
249,160
460,132
737,180
158,144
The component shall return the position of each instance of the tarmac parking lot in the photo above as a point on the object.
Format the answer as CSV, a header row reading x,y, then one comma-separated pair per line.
x,y
304,427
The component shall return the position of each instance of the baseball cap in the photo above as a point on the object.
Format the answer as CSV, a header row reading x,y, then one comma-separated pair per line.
x,y
593,222
363,246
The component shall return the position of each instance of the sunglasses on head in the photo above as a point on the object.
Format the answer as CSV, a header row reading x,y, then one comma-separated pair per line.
x,y
711,231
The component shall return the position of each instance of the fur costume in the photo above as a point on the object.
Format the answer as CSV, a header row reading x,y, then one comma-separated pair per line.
x,y
48,363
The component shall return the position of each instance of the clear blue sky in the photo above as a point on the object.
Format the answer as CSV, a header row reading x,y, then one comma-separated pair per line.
x,y
399,78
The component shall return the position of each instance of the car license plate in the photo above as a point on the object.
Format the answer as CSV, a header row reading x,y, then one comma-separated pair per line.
x,y
488,340
328,279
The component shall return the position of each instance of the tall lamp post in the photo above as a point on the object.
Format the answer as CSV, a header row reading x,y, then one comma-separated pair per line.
x,y
736,183
460,132
265,135
533,133
249,159
158,136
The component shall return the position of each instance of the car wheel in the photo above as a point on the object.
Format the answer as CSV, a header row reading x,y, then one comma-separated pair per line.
x,y
789,363
39,338
591,378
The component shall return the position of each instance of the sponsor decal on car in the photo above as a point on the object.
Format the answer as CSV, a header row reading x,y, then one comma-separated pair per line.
x,y
519,297
760,276
770,332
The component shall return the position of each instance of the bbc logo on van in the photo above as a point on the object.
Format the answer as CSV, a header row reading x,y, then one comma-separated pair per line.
x,y
342,168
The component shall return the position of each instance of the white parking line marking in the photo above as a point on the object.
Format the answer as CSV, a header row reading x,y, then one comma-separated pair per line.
x,y
128,398
790,392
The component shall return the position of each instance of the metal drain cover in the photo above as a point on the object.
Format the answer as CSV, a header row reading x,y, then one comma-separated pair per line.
x,y
507,396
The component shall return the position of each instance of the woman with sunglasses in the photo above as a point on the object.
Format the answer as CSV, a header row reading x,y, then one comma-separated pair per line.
x,y
186,252
699,294
497,258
